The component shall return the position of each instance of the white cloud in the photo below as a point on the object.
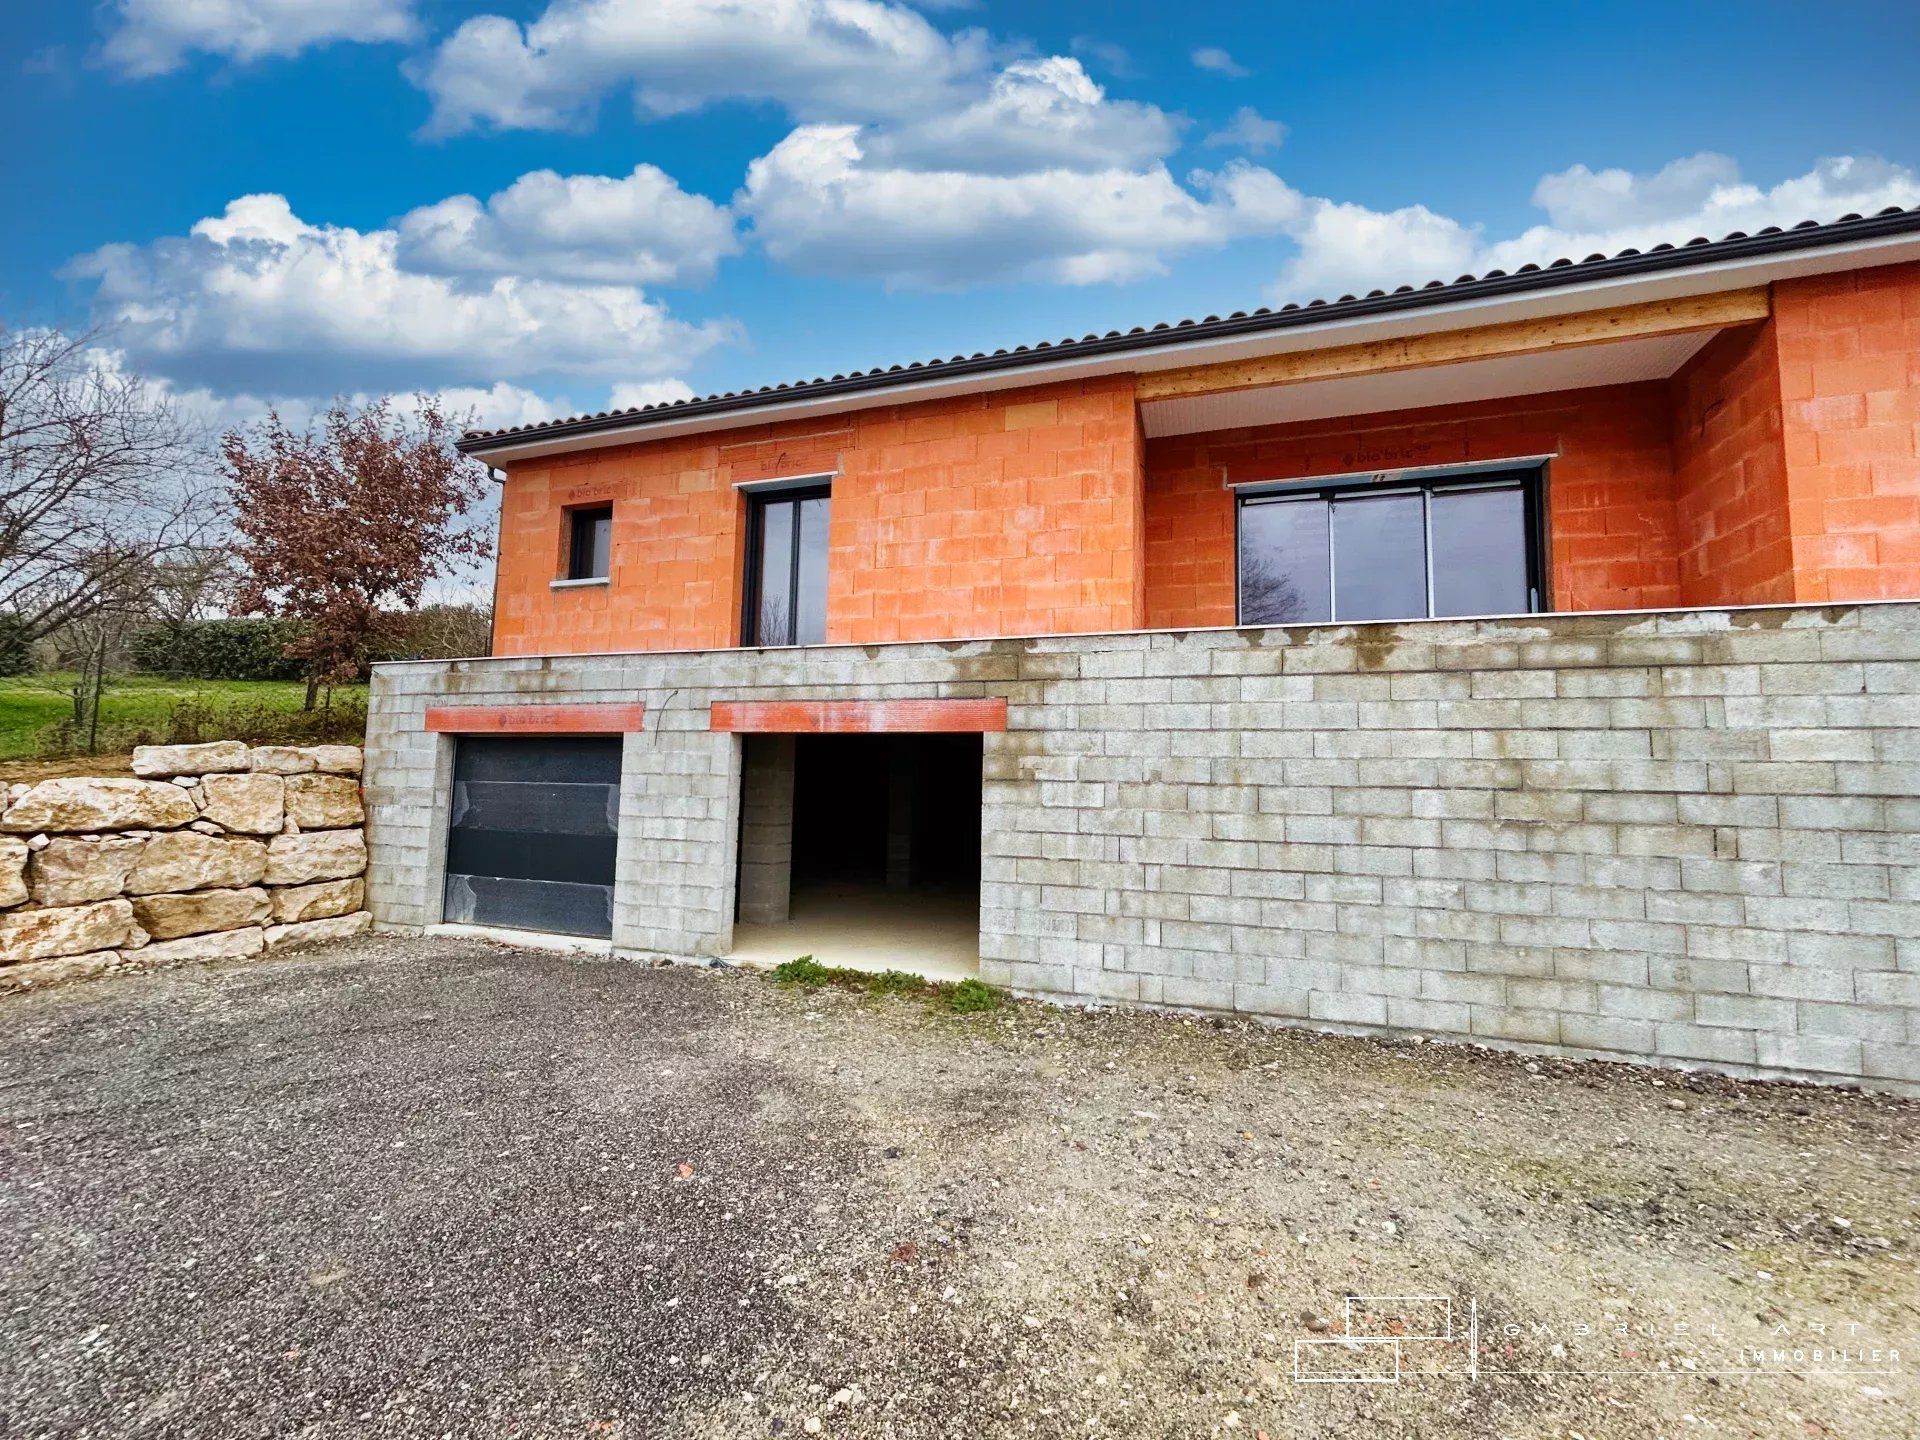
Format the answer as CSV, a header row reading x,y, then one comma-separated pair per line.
x,y
1043,177
1035,115
1602,213
499,405
1212,57
632,395
1110,57
819,203
489,407
1346,247
1583,199
1350,248
1248,130
920,158
640,229
258,298
837,59
151,37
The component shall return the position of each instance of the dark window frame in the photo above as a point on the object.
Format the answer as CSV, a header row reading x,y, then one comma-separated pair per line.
x,y
757,503
580,557
1529,475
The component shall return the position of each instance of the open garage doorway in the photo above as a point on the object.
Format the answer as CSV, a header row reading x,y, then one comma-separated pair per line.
x,y
861,851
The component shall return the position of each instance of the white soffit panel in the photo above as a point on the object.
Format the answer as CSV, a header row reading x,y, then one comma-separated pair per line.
x,y
1618,362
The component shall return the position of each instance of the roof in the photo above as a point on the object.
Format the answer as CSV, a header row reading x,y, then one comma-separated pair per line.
x,y
1699,251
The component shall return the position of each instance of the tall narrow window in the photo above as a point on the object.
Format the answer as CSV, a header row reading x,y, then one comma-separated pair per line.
x,y
1463,544
787,569
1379,557
1477,530
590,543
1283,563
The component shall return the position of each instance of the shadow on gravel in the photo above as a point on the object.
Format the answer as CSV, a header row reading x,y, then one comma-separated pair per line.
x,y
446,1186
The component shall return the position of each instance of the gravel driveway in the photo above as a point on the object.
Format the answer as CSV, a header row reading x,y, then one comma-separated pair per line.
x,y
407,1187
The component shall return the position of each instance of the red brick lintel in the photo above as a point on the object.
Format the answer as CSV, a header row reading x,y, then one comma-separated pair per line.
x,y
858,717
534,719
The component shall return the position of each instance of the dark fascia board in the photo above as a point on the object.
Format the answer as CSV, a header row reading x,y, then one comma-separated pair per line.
x,y
1809,235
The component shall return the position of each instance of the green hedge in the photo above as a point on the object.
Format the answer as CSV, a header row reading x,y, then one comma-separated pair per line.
x,y
217,650
192,723
252,649
16,650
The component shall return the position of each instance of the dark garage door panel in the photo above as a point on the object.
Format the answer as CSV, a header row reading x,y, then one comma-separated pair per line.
x,y
532,834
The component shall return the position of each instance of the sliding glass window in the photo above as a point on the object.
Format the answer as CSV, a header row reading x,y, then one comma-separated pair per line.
x,y
786,601
1465,544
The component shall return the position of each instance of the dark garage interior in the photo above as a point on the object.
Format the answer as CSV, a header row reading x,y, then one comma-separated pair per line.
x,y
843,786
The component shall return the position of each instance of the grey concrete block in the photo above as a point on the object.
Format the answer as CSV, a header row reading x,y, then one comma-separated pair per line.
x,y
1501,1022
1699,1042
1855,1022
1607,1032
1347,1009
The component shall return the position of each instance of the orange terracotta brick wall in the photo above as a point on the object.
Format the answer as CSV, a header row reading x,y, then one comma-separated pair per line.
x,y
1849,351
1781,463
1008,514
676,553
1611,522
1730,474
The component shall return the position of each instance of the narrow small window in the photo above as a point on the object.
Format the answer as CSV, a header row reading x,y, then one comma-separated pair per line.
x,y
590,544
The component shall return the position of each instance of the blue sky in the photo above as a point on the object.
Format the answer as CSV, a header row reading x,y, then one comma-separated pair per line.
x,y
544,206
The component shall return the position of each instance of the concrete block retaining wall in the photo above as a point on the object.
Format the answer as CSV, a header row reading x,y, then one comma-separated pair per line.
x,y
1687,837
211,851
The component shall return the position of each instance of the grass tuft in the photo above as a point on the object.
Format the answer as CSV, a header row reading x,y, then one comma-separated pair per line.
x,y
973,996
968,997
804,971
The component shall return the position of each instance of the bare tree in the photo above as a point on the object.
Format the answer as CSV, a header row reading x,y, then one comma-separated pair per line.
x,y
186,585
98,477
445,632
90,650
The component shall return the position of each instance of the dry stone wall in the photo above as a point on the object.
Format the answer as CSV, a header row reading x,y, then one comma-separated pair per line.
x,y
214,851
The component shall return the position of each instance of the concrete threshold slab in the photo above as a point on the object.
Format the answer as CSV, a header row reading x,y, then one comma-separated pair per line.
x,y
531,939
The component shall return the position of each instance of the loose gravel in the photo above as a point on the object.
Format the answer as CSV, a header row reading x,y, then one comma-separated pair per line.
x,y
437,1187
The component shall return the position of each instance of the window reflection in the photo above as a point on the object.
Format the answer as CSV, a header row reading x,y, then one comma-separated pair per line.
x,y
810,593
1477,534
1283,562
1379,557
789,601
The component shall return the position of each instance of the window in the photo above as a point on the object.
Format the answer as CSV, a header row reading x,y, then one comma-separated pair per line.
x,y
590,543
787,568
1464,544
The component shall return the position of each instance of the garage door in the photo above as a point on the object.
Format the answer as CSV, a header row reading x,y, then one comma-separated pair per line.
x,y
531,843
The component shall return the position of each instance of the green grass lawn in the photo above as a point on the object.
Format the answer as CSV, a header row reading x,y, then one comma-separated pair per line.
x,y
30,703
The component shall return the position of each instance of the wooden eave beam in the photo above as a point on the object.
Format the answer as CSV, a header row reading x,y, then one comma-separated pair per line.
x,y
1413,352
